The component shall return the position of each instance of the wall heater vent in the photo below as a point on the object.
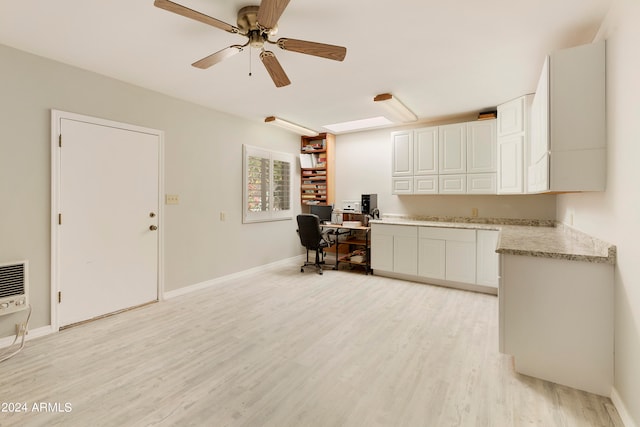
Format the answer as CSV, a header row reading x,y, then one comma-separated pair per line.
x,y
14,287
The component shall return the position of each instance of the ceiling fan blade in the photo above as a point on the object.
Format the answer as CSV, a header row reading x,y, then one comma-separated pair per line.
x,y
219,56
190,13
270,11
274,68
329,51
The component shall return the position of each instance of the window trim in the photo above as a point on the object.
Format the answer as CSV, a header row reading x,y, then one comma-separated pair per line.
x,y
270,214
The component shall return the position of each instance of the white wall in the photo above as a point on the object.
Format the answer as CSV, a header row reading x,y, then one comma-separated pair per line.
x,y
203,165
363,165
614,215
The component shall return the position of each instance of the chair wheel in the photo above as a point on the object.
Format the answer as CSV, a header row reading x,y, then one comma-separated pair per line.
x,y
301,270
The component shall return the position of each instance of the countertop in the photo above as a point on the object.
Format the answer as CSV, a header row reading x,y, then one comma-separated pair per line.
x,y
538,238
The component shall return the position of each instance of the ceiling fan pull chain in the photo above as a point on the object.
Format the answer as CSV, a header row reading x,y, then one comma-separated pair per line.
x,y
250,63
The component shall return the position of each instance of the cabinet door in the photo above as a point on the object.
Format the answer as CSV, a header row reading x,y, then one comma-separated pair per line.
x,y
431,258
402,154
511,117
405,250
487,258
381,247
540,118
427,184
452,184
402,185
510,165
481,183
452,148
461,261
481,146
539,176
425,151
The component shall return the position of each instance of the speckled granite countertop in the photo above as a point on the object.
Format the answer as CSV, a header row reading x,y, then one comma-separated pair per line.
x,y
539,238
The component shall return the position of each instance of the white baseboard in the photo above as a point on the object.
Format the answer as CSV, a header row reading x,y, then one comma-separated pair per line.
x,y
33,333
213,282
622,409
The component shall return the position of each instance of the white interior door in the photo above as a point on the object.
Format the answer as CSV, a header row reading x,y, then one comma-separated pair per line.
x,y
108,201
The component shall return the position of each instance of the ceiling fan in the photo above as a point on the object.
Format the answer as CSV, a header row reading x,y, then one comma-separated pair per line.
x,y
257,23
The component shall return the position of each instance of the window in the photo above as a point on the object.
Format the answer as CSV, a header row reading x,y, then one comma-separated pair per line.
x,y
267,185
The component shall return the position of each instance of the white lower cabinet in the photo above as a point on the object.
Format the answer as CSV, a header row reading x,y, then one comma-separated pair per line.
x,y
461,259
557,320
439,255
447,254
487,260
394,248
431,257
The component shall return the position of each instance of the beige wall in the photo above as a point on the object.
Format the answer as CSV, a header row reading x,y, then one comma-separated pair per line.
x,y
363,165
203,165
614,215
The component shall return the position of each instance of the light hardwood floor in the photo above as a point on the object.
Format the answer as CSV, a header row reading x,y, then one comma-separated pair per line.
x,y
285,348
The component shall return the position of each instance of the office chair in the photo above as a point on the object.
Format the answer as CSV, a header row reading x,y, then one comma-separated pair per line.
x,y
313,239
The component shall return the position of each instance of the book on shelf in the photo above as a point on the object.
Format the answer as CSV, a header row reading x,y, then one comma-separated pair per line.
x,y
306,161
487,115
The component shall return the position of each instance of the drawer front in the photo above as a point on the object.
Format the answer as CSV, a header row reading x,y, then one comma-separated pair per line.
x,y
396,230
402,185
452,234
452,184
427,184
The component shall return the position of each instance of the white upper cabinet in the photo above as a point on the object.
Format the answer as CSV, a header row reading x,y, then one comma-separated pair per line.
x,y
451,159
425,151
453,148
481,146
402,153
513,136
568,133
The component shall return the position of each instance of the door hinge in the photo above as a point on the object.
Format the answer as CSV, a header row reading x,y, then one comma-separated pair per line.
x,y
59,297
59,219
60,140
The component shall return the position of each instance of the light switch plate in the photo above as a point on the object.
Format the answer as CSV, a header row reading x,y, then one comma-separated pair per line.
x,y
171,199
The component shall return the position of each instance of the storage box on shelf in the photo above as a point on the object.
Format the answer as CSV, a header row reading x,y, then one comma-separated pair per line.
x,y
317,159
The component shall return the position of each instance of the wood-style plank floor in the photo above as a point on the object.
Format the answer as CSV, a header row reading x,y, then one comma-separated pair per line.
x,y
284,348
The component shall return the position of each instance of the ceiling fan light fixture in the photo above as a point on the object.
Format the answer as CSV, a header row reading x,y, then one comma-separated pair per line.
x,y
290,126
397,109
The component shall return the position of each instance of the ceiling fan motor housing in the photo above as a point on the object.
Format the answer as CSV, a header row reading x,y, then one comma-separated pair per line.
x,y
248,23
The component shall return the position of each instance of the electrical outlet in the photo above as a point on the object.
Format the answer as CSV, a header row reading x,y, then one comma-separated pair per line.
x,y
474,212
171,199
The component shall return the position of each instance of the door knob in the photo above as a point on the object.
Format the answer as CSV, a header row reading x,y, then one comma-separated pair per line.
x,y
153,227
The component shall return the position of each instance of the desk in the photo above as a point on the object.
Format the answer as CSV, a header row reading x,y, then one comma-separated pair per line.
x,y
354,245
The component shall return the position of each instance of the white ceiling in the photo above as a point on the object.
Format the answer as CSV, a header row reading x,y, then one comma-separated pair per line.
x,y
441,58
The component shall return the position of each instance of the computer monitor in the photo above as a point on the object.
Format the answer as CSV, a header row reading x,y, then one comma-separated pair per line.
x,y
323,212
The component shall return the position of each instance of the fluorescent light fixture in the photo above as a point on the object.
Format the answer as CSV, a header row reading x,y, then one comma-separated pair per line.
x,y
290,126
369,123
396,108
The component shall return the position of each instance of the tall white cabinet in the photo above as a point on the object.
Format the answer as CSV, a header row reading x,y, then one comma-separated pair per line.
x,y
513,145
568,133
